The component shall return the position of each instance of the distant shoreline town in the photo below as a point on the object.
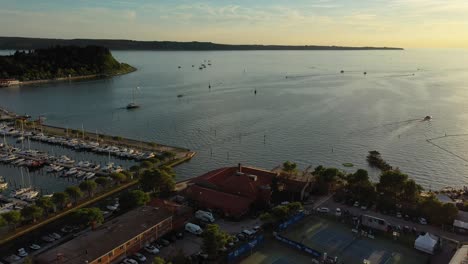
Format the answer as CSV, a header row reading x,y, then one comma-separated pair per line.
x,y
21,43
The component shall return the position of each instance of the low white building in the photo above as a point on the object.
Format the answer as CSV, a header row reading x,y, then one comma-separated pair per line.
x,y
426,243
461,256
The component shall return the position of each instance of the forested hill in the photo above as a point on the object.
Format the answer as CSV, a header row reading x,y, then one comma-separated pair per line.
x,y
17,43
60,62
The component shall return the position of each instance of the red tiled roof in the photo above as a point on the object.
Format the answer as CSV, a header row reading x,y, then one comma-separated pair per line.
x,y
229,203
227,180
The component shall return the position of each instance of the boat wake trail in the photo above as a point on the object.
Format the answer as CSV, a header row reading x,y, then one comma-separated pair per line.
x,y
309,75
398,123
400,75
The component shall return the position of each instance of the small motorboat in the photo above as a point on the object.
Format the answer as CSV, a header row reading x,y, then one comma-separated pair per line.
x,y
427,118
180,95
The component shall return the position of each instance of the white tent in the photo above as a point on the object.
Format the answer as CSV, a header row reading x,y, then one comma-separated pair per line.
x,y
426,243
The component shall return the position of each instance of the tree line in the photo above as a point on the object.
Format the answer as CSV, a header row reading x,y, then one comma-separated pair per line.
x,y
394,192
60,62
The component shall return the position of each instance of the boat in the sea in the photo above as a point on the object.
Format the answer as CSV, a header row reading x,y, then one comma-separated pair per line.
x,y
180,95
427,118
133,105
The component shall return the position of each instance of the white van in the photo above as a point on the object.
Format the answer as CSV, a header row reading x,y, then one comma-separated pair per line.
x,y
204,216
193,228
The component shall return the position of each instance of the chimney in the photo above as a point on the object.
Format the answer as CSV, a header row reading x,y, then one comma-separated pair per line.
x,y
239,168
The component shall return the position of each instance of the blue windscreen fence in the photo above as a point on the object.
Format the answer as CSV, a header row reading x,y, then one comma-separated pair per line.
x,y
246,248
296,218
298,246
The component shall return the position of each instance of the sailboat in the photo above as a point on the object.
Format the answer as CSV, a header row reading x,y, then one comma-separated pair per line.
x,y
18,192
133,105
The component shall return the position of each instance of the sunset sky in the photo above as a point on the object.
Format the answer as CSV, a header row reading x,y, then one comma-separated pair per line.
x,y
402,23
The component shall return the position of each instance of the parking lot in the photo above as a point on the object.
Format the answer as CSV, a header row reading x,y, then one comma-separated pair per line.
x,y
337,240
191,244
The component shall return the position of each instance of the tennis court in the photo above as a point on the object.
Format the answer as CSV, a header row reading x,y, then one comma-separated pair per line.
x,y
338,240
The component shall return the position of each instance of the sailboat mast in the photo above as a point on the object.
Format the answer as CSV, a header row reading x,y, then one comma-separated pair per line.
x,y
22,178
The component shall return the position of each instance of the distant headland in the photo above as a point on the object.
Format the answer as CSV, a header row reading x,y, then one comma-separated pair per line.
x,y
59,63
20,43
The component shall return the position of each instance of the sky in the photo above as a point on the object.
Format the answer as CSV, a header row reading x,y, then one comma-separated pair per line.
x,y
390,23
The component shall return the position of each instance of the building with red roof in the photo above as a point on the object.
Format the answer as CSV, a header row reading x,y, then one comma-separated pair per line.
x,y
233,191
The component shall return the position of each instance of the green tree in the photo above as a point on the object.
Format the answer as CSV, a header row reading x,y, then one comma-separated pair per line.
x,y
294,207
3,222
267,218
214,239
168,169
32,213
88,186
60,199
450,212
168,155
13,218
28,260
157,181
103,182
392,184
88,216
135,168
411,192
289,167
133,199
358,177
74,192
45,203
159,260
147,164
280,212
118,177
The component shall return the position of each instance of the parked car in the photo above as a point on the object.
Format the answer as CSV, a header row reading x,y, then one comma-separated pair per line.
x,y
22,253
66,229
55,236
204,216
34,247
241,236
202,255
164,242
338,212
398,215
356,204
422,221
48,239
193,228
363,207
14,257
323,210
129,261
249,233
139,257
151,249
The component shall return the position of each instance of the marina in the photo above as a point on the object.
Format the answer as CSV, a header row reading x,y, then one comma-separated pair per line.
x,y
29,154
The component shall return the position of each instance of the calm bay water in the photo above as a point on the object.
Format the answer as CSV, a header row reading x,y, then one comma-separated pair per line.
x,y
315,116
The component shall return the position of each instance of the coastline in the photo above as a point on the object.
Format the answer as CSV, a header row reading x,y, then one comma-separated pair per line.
x,y
77,78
